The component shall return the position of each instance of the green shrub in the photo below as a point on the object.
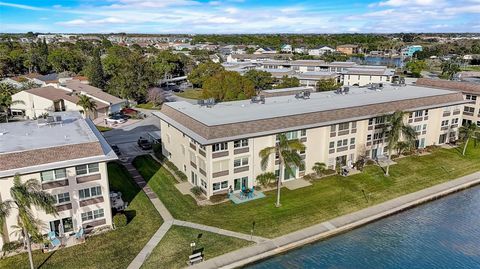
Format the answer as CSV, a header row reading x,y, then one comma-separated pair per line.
x,y
11,246
329,172
197,191
218,197
120,220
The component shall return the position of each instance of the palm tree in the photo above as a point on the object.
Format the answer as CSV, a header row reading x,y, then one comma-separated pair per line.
x,y
87,104
287,152
397,130
469,131
6,92
24,196
319,168
265,178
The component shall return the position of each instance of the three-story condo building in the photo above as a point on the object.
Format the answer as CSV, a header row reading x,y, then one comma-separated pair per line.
x,y
68,156
218,146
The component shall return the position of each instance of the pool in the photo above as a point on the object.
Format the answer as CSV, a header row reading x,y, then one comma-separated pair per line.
x,y
444,233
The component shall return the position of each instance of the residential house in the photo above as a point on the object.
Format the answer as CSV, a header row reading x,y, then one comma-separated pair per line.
x,y
320,50
266,50
64,97
364,75
286,48
68,156
349,49
218,147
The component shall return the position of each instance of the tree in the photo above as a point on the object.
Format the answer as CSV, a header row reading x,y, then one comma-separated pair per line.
x,y
416,67
319,168
64,59
87,104
204,71
288,155
261,79
327,85
396,130
94,71
156,96
468,131
288,82
6,92
266,178
24,196
449,69
228,86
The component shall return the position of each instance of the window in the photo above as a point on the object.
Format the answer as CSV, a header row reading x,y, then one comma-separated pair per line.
x,y
354,125
455,121
444,123
343,126
471,97
377,136
303,133
240,162
469,109
352,141
220,185
87,169
90,192
240,143
417,128
201,164
419,113
379,120
63,198
332,145
333,128
370,121
343,142
220,166
56,174
426,112
91,215
203,183
424,127
193,158
369,137
220,147
291,135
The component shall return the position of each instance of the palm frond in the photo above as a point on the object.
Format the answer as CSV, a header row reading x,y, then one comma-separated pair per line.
x,y
264,155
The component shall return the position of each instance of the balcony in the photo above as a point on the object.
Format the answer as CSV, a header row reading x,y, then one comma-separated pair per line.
x,y
466,113
446,113
241,150
92,201
64,207
241,169
219,154
220,174
83,179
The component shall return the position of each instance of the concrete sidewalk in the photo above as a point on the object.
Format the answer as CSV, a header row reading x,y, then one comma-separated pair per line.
x,y
343,223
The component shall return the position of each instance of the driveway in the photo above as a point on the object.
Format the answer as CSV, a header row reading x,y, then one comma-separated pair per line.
x,y
125,137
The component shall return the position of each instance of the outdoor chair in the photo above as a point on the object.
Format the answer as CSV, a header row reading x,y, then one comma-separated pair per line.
x,y
53,239
250,194
79,235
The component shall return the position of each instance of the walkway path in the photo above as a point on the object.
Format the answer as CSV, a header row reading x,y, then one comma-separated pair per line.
x,y
169,221
313,233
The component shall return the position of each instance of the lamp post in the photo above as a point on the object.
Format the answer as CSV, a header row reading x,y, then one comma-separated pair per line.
x,y
251,231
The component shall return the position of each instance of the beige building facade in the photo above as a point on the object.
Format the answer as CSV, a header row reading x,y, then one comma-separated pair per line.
x,y
68,159
218,147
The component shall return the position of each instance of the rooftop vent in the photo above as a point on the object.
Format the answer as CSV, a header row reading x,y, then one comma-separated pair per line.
x,y
210,102
49,120
303,95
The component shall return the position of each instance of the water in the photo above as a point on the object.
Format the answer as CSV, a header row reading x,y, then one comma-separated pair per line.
x,y
378,60
441,234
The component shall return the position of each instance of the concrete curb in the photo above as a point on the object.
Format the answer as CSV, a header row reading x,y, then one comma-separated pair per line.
x,y
338,225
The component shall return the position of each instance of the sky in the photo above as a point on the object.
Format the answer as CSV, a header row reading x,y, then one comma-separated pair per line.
x,y
239,16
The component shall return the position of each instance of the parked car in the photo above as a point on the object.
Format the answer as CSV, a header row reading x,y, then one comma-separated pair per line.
x,y
116,149
115,119
144,143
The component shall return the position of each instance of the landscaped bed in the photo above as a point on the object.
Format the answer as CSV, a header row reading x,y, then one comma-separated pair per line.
x,y
327,198
174,249
114,249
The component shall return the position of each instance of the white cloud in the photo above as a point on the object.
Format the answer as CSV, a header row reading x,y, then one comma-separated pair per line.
x,y
21,6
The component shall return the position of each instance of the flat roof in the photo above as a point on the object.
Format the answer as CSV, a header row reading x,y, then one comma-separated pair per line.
x,y
28,135
24,145
242,111
289,89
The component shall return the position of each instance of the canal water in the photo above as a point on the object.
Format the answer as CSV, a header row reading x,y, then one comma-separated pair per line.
x,y
378,60
442,234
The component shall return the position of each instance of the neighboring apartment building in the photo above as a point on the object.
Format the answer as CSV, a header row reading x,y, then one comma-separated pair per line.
x,y
64,97
410,50
349,49
218,146
364,75
68,156
471,92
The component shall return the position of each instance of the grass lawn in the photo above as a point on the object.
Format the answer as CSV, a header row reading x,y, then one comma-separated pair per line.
x,y
471,68
191,94
148,106
114,249
174,249
103,128
325,199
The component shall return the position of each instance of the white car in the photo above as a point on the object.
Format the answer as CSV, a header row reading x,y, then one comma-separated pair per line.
x,y
115,120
